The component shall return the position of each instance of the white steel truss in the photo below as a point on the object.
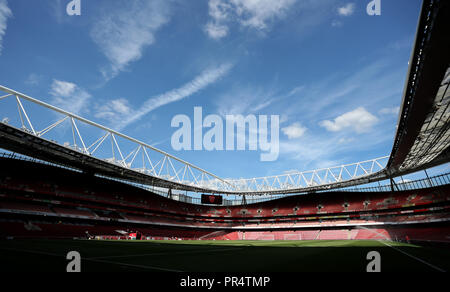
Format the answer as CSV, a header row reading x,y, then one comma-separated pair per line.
x,y
137,156
311,178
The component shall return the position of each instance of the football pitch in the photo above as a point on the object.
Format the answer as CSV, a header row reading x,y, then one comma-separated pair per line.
x,y
220,256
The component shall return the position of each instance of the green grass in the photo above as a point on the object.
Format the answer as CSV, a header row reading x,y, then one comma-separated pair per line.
x,y
219,256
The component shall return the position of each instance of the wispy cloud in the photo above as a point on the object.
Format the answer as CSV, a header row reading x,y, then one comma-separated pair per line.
x,y
296,90
390,110
124,33
336,23
220,12
5,13
112,109
314,151
358,120
336,130
216,31
259,13
57,10
244,100
68,96
294,131
120,112
33,79
256,14
347,9
345,140
370,86
317,149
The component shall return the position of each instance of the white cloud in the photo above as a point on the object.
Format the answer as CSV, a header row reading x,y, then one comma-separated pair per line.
x,y
338,93
112,109
68,96
206,78
5,13
336,23
58,10
346,10
120,106
245,99
62,88
33,79
313,152
219,10
345,140
390,110
255,14
123,34
296,90
296,130
358,120
319,149
216,31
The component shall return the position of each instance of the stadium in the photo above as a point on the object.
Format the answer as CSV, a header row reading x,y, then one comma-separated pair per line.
x,y
143,209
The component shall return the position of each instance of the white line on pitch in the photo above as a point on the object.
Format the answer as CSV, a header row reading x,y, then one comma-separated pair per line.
x,y
411,256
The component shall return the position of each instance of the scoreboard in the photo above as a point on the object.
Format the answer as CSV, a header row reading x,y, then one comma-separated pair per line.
x,y
211,199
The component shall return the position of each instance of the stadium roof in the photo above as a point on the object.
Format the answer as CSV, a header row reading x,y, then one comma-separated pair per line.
x,y
422,138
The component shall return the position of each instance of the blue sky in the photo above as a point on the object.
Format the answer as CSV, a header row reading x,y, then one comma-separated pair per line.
x,y
333,74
